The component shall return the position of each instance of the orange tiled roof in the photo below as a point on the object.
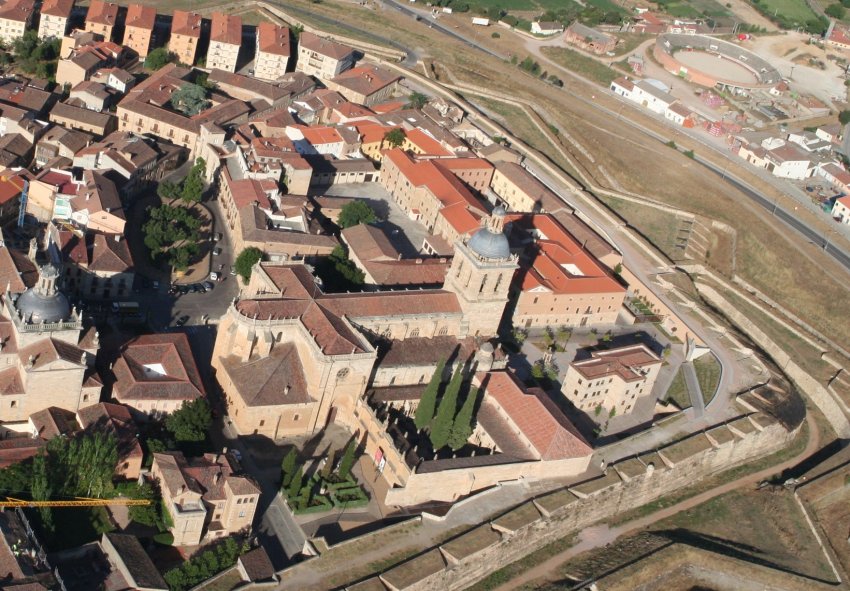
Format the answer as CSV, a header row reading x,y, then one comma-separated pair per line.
x,y
102,13
141,16
226,28
186,23
272,38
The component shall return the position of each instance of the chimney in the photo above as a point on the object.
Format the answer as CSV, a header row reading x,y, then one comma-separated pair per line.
x,y
217,477
182,488
118,238
286,390
31,361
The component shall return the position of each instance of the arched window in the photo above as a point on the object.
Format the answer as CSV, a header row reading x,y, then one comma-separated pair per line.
x,y
443,331
414,333
343,373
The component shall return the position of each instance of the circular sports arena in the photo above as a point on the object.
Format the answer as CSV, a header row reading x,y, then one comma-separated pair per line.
x,y
712,62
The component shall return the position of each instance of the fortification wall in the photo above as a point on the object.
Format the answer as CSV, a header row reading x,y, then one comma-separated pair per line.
x,y
627,485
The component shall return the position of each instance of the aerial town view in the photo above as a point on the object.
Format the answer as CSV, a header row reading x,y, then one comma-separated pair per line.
x,y
399,295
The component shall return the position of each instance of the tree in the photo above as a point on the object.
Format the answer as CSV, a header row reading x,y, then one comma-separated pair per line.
x,y
836,11
41,489
246,261
417,100
395,137
295,484
441,428
190,99
193,184
328,466
844,117
356,212
168,190
144,514
348,457
191,421
288,466
159,58
428,401
463,424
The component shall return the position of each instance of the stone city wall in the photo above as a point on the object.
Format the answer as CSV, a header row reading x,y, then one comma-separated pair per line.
x,y
626,485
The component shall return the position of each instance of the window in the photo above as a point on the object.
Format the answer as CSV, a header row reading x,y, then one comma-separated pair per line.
x,y
444,331
414,333
241,514
14,404
262,423
85,397
296,417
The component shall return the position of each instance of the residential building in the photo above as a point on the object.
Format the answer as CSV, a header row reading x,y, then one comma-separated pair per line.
x,y
841,210
788,161
80,61
95,266
546,28
589,39
12,185
613,379
810,141
52,422
155,374
128,557
832,132
248,88
54,18
679,114
97,124
115,78
559,282
321,57
650,94
836,176
431,194
273,51
518,190
225,41
365,85
93,96
101,18
837,35
185,36
15,18
205,497
145,109
60,142
139,28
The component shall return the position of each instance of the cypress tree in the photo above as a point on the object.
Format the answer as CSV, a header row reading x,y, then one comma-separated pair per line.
x,y
442,426
462,427
288,466
348,457
295,484
428,402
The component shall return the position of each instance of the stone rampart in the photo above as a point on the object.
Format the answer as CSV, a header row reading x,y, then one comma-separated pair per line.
x,y
626,485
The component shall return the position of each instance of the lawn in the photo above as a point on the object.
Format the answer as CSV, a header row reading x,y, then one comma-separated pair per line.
x,y
253,17
677,393
708,375
582,65
791,11
226,582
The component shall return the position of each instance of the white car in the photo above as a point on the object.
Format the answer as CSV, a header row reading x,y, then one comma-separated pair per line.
x,y
214,276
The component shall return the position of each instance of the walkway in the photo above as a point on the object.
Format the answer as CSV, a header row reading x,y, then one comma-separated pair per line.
x,y
598,536
697,401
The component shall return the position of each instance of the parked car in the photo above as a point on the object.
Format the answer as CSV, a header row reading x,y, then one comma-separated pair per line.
x,y
197,287
214,276
184,289
218,236
208,286
182,320
217,251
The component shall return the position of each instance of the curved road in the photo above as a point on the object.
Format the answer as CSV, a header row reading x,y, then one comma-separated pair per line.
x,y
817,238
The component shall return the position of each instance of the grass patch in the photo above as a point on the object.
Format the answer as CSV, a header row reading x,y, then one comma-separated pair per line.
x,y
253,17
708,375
677,393
659,227
227,582
790,10
582,65
629,42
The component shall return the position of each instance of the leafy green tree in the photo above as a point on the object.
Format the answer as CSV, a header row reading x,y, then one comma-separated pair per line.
x,y
338,272
191,421
844,117
288,466
168,190
193,184
305,496
417,100
836,11
356,212
395,137
159,58
246,261
328,466
295,484
538,370
441,429
24,46
463,424
41,489
144,514
348,458
428,402
190,99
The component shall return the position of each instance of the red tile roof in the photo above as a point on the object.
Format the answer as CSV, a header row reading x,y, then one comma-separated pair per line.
x,y
17,10
18,449
226,28
366,80
272,38
324,47
157,366
539,420
11,186
622,361
186,23
102,13
61,8
426,144
141,16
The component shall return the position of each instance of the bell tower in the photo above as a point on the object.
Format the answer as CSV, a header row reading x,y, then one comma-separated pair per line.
x,y
481,274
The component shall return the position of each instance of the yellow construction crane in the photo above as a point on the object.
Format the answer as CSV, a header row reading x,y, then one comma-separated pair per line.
x,y
77,502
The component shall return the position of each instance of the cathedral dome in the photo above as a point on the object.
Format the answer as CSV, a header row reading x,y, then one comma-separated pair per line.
x,y
36,307
43,302
490,241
